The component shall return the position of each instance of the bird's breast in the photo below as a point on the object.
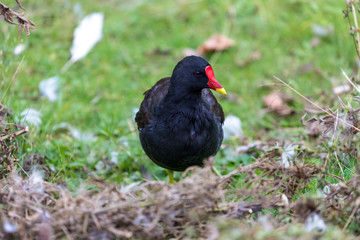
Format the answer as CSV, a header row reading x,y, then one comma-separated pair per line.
x,y
192,130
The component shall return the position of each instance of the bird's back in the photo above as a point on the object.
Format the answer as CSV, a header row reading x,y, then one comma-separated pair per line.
x,y
157,93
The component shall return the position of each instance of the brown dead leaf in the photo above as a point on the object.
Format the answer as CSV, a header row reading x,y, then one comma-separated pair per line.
x,y
252,57
9,15
313,127
276,102
217,42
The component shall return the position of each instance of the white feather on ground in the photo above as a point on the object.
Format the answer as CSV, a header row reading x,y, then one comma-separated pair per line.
x,y
19,49
35,183
49,88
86,35
314,222
30,116
287,156
9,227
232,127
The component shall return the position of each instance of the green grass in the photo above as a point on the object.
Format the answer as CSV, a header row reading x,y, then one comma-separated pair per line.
x,y
99,93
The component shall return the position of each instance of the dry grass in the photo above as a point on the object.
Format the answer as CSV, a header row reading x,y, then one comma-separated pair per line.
x,y
36,209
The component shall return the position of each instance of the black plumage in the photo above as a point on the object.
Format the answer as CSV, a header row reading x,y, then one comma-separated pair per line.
x,y
180,120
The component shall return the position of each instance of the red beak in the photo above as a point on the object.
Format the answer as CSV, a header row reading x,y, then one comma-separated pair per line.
x,y
213,83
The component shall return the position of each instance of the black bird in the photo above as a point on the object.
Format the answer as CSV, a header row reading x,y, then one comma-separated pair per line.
x,y
180,121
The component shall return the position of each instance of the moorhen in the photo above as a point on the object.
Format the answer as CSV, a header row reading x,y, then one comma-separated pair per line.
x,y
179,120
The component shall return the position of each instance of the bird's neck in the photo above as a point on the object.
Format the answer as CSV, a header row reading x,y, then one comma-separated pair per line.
x,y
183,97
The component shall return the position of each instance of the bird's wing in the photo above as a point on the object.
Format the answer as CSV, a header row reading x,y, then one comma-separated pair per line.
x,y
152,98
215,107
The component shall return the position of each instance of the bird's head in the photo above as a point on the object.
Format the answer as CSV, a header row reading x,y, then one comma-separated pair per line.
x,y
195,73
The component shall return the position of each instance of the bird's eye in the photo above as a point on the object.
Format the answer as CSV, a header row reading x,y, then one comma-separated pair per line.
x,y
198,74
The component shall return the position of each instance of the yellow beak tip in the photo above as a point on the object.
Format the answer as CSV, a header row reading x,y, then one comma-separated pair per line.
x,y
221,90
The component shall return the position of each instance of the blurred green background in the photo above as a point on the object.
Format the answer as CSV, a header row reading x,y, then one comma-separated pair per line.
x,y
142,42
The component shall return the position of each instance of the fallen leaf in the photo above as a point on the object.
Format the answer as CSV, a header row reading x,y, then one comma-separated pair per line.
x,y
276,102
313,127
217,42
254,56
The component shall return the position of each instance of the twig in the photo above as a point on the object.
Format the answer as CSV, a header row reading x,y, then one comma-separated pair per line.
x,y
342,171
336,122
66,232
334,176
356,26
353,37
351,82
12,79
19,4
357,203
15,134
96,221
12,124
